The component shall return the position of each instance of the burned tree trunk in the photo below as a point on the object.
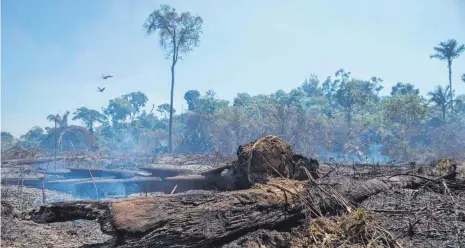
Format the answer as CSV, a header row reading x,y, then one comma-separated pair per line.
x,y
200,219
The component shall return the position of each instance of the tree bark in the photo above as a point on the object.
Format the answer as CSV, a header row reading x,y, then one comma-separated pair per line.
x,y
205,219
449,65
170,132
173,64
444,110
55,149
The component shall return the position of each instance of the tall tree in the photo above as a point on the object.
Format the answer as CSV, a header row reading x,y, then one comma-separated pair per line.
x,y
34,134
7,140
192,99
242,100
179,33
60,121
210,103
137,100
311,86
376,81
165,109
89,117
352,94
279,107
404,89
440,98
119,109
400,114
448,51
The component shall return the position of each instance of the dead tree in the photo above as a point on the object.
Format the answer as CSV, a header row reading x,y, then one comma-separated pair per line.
x,y
205,219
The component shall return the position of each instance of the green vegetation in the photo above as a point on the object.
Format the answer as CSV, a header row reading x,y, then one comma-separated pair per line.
x,y
339,116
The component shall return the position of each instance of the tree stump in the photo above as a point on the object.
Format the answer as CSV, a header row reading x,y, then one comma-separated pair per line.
x,y
269,156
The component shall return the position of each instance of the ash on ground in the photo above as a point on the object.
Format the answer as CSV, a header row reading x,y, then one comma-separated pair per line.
x,y
18,231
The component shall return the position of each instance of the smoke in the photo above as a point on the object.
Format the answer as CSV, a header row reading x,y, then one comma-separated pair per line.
x,y
105,190
373,155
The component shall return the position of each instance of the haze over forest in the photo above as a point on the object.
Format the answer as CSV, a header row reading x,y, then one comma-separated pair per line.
x,y
335,80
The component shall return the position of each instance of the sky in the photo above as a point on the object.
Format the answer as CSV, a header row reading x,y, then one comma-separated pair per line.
x,y
53,52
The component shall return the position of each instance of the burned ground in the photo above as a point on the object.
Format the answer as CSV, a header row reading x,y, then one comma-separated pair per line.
x,y
347,206
18,231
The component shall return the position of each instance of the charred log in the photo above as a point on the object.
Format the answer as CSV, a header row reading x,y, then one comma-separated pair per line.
x,y
164,172
200,219
88,173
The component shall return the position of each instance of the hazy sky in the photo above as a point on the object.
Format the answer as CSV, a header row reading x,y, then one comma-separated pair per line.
x,y
54,51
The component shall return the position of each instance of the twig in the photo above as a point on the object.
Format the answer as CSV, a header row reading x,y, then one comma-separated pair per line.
x,y
422,177
327,174
43,179
172,191
384,231
396,211
146,187
93,181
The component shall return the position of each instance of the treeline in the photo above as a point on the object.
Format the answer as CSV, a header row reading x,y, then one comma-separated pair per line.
x,y
339,117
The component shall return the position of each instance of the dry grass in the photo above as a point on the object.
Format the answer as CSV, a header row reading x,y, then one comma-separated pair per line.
x,y
356,229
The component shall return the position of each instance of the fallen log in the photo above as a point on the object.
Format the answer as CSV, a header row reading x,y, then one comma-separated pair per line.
x,y
63,185
191,182
58,172
200,219
122,187
84,173
116,187
216,171
30,161
29,182
360,191
164,172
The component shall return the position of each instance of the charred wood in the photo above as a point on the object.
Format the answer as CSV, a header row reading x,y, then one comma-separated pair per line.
x,y
202,219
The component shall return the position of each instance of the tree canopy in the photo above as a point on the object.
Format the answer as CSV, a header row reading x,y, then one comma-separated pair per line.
x,y
331,116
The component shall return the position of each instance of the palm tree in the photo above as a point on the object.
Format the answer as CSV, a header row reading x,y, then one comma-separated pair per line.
x,y
55,119
64,134
448,51
439,98
59,120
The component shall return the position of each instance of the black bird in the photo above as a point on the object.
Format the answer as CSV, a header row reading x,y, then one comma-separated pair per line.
x,y
106,77
101,89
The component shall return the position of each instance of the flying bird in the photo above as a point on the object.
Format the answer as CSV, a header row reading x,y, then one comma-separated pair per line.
x,y
106,77
101,89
